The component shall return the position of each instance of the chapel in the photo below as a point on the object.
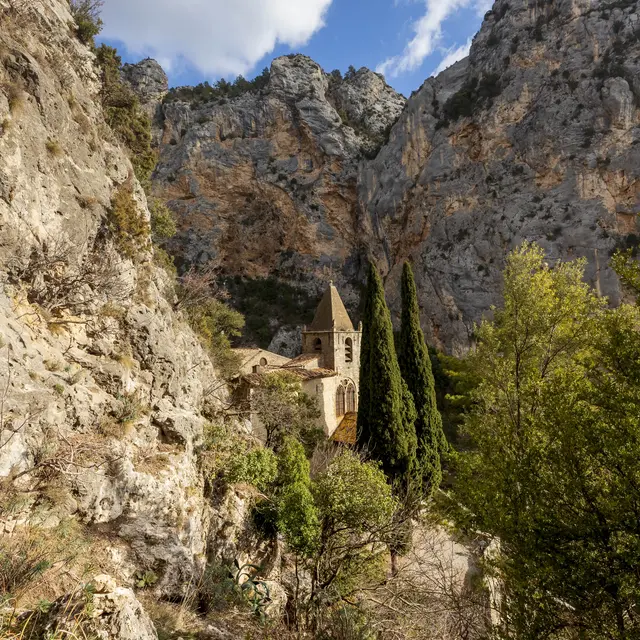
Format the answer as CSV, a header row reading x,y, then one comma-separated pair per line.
x,y
328,368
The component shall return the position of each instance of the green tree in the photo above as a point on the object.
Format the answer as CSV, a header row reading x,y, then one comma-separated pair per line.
x,y
415,366
297,516
86,14
387,421
285,410
554,474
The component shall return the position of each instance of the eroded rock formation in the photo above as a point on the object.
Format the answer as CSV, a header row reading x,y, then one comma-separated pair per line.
x,y
534,136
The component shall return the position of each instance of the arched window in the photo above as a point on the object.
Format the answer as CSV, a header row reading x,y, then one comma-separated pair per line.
x,y
263,362
349,350
340,401
317,344
351,399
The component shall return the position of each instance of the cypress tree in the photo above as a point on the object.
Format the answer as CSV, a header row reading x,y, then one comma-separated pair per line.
x,y
364,399
415,366
387,409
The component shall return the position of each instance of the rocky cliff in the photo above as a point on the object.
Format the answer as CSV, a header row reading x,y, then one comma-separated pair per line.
x,y
534,136
264,184
103,386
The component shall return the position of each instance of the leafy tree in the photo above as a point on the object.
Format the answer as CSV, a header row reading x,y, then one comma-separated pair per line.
x,y
86,14
356,510
386,422
284,409
554,476
297,517
415,366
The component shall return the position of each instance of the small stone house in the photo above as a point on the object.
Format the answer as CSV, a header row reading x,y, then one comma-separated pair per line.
x,y
328,368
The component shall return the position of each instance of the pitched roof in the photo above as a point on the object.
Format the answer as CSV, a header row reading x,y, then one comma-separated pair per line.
x,y
302,361
346,431
331,314
256,379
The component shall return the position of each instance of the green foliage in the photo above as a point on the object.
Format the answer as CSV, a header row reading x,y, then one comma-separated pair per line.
x,y
554,473
216,324
221,90
129,227
388,434
124,115
285,410
473,95
415,366
297,517
163,222
86,14
628,270
145,579
260,298
258,467
354,495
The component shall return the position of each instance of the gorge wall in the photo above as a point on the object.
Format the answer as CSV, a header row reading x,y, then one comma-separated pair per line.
x,y
533,136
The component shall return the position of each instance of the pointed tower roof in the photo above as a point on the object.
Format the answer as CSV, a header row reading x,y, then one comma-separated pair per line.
x,y
331,314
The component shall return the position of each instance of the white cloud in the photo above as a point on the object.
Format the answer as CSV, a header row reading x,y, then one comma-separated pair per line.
x,y
428,34
219,37
452,56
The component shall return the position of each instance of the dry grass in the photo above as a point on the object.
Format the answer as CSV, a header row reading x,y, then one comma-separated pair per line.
x,y
15,96
53,147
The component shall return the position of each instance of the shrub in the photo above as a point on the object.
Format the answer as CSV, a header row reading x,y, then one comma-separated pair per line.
x,y
216,323
474,94
129,227
86,14
163,222
259,468
123,114
53,147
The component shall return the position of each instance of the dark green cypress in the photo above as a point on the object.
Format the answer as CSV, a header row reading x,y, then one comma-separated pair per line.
x,y
387,411
415,366
364,398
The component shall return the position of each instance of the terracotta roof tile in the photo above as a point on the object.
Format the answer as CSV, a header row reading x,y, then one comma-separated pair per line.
x,y
346,431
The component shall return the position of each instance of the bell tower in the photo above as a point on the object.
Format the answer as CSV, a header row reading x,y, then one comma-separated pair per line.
x,y
332,337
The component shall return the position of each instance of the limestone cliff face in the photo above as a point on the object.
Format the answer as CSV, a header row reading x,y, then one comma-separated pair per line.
x,y
534,136
265,184
101,383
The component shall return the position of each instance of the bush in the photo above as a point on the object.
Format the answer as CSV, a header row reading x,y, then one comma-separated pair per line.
x,y
86,14
123,114
163,222
473,95
216,323
129,227
258,468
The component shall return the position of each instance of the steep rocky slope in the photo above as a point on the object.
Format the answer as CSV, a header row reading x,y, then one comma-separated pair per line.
x,y
264,184
534,136
102,385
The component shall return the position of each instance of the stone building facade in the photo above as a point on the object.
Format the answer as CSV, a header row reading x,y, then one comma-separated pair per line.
x,y
328,368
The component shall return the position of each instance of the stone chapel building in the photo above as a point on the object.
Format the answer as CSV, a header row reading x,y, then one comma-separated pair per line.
x,y
328,368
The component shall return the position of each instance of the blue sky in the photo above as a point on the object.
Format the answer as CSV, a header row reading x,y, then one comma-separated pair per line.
x,y
207,39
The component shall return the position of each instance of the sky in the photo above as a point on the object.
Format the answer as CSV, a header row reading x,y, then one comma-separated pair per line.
x,y
197,40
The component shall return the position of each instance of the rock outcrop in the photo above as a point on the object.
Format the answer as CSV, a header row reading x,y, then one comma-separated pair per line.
x,y
534,136
102,610
102,384
264,184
